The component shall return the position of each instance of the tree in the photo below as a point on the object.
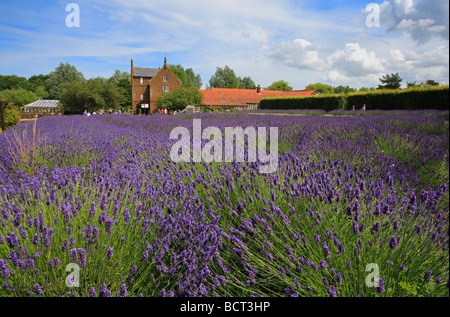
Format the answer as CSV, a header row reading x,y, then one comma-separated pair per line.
x,y
224,78
18,96
343,89
93,94
320,88
193,80
187,77
430,83
180,98
412,84
63,74
11,115
392,81
125,85
11,82
280,85
247,83
120,75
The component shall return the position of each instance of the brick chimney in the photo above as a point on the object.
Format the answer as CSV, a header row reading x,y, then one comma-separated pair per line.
x,y
258,90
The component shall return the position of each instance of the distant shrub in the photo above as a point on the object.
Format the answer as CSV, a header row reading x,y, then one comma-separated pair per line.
x,y
407,99
11,115
327,103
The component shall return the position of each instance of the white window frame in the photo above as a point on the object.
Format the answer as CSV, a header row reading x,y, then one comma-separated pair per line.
x,y
165,88
142,97
142,80
166,78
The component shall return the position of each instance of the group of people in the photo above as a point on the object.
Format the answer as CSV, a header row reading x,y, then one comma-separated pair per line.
x,y
169,112
87,113
362,109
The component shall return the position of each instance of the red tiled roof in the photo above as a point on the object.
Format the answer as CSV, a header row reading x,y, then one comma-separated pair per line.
x,y
242,97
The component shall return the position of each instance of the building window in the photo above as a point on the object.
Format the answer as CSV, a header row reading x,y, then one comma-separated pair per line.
x,y
252,106
166,88
166,78
142,97
142,80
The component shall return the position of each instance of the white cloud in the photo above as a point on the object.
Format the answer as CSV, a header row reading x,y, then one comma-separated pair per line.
x,y
356,61
421,19
298,53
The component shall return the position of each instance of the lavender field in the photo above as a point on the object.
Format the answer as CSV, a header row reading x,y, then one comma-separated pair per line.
x,y
102,193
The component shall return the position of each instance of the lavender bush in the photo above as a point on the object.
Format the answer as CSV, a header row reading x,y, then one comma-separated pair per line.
x,y
101,192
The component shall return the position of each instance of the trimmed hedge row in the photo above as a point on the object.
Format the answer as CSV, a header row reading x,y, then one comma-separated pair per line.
x,y
408,99
327,103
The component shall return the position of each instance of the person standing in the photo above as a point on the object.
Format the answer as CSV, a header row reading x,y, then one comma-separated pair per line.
x,y
85,113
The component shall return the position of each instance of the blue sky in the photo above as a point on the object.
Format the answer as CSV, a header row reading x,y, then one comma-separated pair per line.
x,y
301,42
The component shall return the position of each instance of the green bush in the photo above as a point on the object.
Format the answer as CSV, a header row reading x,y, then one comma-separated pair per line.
x,y
327,103
11,115
408,99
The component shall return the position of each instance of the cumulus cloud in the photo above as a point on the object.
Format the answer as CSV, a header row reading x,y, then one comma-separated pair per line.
x,y
298,53
356,61
421,19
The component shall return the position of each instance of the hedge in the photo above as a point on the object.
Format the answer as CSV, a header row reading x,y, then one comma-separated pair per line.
x,y
408,99
327,103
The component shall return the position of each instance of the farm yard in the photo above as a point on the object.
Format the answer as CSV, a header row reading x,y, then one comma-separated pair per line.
x,y
351,192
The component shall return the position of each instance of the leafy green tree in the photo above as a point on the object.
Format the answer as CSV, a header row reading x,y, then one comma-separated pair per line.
x,y
179,98
92,94
63,74
280,85
39,80
11,82
320,88
392,81
120,75
430,83
343,89
18,96
187,77
41,92
224,78
193,80
125,85
11,115
247,83
412,84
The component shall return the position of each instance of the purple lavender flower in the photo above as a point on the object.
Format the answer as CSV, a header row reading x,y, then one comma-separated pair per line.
x,y
92,292
37,289
123,291
109,253
74,255
36,239
82,257
145,256
109,226
332,291
380,289
104,291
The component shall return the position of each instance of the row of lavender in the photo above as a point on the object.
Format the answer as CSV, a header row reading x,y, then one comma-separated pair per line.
x,y
102,193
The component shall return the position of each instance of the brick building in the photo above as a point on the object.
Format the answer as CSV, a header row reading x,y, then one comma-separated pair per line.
x,y
147,84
